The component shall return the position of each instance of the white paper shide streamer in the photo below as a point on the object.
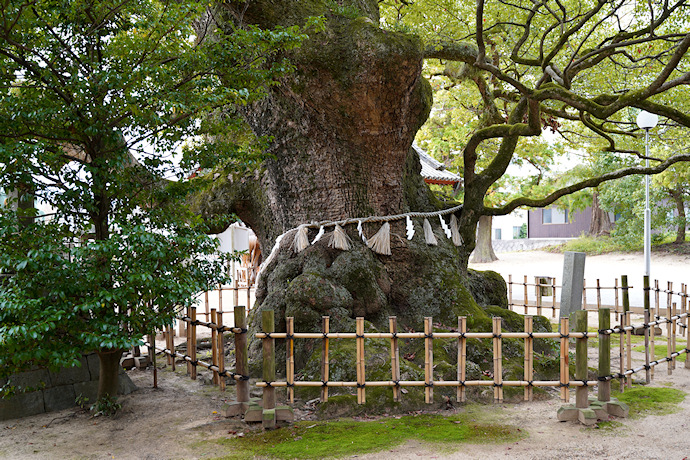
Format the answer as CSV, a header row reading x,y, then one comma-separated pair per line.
x,y
444,226
318,235
410,228
429,236
301,241
361,232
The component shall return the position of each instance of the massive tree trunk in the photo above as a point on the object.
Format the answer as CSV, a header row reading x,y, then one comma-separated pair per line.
x,y
342,128
484,251
600,223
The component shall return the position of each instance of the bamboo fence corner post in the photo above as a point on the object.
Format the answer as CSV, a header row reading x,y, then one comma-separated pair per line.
x,y
604,390
428,360
241,356
510,292
325,328
529,357
624,321
269,365
220,297
220,347
395,358
462,358
581,393
290,355
498,360
214,344
191,347
564,378
361,395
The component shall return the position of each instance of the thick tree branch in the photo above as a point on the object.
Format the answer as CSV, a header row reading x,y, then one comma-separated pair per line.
x,y
588,183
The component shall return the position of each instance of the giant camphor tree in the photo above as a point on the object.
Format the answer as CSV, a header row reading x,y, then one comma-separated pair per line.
x,y
343,122
94,98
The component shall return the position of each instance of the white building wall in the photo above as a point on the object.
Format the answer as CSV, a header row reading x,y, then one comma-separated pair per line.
x,y
505,226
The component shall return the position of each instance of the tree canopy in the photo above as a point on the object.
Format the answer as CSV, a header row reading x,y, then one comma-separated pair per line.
x,y
576,67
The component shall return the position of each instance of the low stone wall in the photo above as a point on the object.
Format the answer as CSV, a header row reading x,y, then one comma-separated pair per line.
x,y
57,390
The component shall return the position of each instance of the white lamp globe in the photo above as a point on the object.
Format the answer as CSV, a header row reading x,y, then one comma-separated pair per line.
x,y
646,120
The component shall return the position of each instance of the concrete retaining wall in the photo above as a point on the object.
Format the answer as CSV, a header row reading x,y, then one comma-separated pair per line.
x,y
56,390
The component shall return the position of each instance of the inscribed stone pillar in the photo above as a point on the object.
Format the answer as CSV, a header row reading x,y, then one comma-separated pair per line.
x,y
573,283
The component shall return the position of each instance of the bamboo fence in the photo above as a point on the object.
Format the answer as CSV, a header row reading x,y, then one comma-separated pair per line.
x,y
565,382
217,363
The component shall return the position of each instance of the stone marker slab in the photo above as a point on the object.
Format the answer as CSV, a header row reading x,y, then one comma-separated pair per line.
x,y
573,283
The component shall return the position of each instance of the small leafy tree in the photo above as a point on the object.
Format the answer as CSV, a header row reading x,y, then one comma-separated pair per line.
x,y
94,98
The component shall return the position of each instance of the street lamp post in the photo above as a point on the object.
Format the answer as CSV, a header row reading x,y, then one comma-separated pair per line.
x,y
646,121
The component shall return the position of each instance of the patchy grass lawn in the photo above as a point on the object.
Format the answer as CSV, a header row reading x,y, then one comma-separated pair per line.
x,y
327,439
644,401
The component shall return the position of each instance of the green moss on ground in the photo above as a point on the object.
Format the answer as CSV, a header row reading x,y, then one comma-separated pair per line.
x,y
644,401
349,437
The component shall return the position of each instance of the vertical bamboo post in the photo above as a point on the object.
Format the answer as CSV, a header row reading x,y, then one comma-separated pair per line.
x,y
529,358
581,392
325,328
669,363
525,294
236,294
220,350
428,360
657,307
214,344
645,282
249,296
674,312
395,357
648,371
462,358
565,364
553,298
687,346
168,340
290,356
537,290
624,321
584,294
361,395
152,357
269,368
683,304
188,337
604,390
498,358
220,298
510,292
615,291
628,348
241,355
598,294
206,305
191,347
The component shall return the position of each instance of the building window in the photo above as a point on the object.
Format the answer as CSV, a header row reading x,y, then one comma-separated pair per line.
x,y
497,233
554,216
516,232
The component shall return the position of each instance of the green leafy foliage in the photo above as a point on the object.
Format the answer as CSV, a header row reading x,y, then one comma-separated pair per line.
x,y
95,99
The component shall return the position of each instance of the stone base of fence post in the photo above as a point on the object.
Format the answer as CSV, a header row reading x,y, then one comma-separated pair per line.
x,y
570,413
611,407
